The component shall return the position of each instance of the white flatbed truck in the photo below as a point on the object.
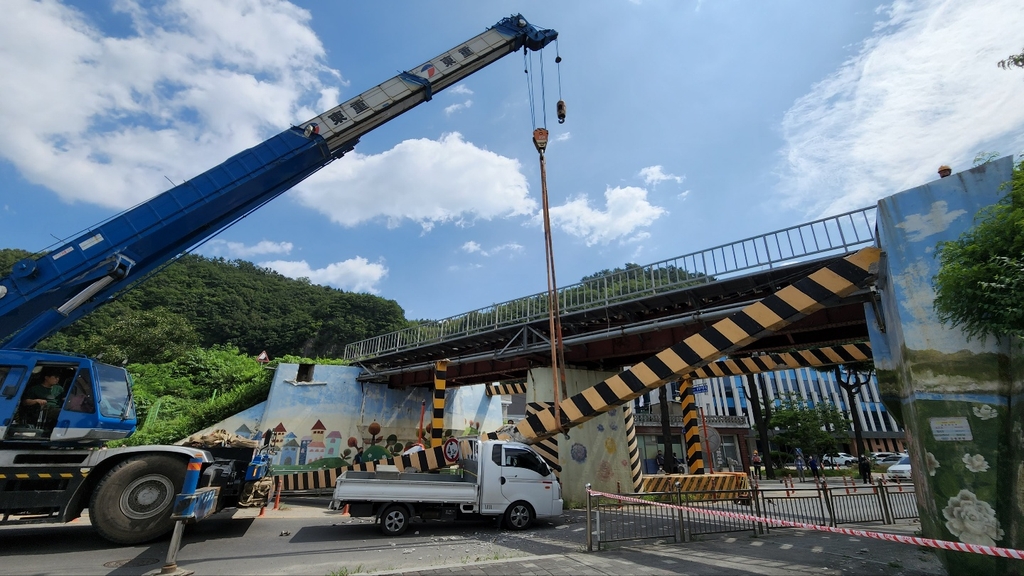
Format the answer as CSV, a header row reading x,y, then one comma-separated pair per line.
x,y
493,478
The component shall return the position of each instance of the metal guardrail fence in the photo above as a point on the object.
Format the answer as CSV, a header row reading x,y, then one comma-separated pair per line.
x,y
612,520
830,236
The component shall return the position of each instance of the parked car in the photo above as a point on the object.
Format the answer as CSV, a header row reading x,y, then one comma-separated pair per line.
x,y
840,459
900,470
890,460
877,457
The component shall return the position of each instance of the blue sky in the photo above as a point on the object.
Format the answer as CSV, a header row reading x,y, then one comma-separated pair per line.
x,y
690,124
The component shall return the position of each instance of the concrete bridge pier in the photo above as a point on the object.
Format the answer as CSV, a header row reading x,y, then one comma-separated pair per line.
x,y
596,451
962,402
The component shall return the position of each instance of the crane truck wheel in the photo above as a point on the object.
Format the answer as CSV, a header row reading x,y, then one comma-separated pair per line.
x,y
132,503
519,516
394,520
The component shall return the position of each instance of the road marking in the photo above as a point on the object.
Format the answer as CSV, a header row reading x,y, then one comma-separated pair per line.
x,y
757,543
785,547
730,540
817,549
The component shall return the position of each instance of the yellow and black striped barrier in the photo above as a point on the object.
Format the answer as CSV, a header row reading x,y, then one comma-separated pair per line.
x,y
691,430
65,474
716,481
814,357
498,389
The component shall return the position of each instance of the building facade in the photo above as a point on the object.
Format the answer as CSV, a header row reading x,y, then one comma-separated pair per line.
x,y
727,428
726,396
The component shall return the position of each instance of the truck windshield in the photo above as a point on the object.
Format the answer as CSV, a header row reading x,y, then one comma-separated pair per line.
x,y
115,392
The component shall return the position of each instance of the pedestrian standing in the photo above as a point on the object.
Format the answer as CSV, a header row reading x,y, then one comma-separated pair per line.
x,y
812,463
865,469
660,461
800,466
756,460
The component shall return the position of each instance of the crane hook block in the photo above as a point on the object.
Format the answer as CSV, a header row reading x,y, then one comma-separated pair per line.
x,y
561,111
540,139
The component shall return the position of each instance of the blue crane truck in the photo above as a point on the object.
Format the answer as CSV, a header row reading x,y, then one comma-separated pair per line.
x,y
53,459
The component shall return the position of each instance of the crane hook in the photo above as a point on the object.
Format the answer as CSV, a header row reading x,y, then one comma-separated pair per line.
x,y
561,111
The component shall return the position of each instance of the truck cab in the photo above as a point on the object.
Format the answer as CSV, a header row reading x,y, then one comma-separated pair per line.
x,y
512,474
63,399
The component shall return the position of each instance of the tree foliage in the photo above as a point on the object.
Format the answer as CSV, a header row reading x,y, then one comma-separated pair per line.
x,y
813,429
190,393
980,284
208,302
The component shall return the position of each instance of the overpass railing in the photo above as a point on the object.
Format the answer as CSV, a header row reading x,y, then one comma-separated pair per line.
x,y
830,236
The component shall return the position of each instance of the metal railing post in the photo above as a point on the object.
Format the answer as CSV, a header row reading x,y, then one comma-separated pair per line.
x,y
684,528
829,504
761,511
590,532
883,501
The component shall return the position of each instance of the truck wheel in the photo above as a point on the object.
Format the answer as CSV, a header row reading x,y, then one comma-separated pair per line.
x,y
394,520
519,516
133,502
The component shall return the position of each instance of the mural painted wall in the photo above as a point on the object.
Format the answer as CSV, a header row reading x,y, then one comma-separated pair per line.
x,y
333,419
961,401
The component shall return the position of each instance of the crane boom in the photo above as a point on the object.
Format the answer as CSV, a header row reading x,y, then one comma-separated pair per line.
x,y
46,293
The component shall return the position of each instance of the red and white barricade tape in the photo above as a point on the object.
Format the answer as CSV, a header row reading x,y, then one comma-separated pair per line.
x,y
929,542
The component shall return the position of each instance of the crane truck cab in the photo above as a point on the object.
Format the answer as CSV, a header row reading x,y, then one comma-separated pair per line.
x,y
89,404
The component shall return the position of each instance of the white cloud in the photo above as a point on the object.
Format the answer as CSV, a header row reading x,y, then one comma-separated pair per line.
x,y
460,89
453,108
192,81
562,137
924,90
355,274
920,226
472,247
425,181
653,175
626,211
228,249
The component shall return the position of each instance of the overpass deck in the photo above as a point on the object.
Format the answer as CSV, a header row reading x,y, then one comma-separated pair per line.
x,y
622,317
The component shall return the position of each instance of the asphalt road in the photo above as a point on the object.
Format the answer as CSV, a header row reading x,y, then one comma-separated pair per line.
x,y
303,537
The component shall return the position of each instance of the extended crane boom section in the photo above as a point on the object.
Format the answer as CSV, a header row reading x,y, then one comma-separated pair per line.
x,y
45,294
346,122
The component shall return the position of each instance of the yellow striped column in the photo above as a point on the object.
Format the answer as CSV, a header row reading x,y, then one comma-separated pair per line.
x,y
437,426
805,296
632,447
691,429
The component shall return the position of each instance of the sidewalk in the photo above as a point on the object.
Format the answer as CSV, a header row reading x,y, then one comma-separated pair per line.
x,y
783,552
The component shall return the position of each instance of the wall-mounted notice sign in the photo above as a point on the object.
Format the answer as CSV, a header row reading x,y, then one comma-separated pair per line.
x,y
951,429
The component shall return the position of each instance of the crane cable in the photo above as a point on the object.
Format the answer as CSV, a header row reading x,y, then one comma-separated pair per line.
x,y
540,141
